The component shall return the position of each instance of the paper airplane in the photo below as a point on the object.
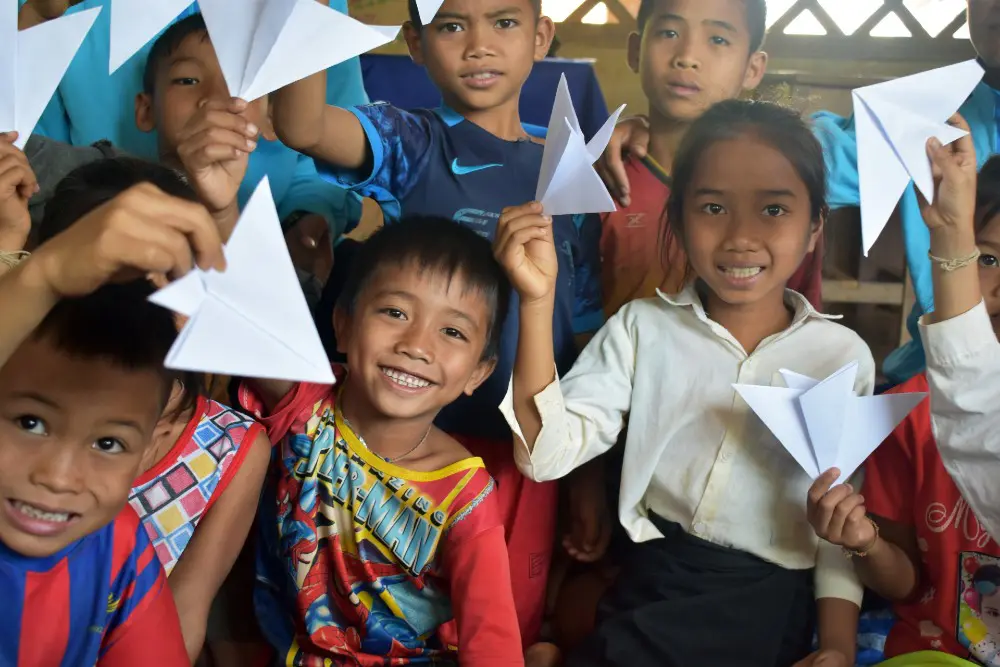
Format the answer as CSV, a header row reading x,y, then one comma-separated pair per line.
x,y
568,183
823,424
251,320
428,9
134,23
33,62
894,120
264,45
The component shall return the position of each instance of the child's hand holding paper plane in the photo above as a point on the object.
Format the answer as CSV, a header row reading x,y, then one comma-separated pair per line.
x,y
32,63
568,183
251,320
823,424
894,120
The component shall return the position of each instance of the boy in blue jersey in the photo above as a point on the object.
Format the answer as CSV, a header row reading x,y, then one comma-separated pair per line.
x,y
466,161
82,387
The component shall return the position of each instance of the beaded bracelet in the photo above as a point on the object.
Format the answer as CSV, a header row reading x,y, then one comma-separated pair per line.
x,y
949,265
861,553
12,259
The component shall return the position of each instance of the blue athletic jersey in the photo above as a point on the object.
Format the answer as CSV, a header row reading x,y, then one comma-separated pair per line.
x,y
436,163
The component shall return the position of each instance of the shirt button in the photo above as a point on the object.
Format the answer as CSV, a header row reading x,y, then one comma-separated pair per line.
x,y
699,528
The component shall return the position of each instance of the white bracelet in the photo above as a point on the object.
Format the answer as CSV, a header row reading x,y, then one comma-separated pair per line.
x,y
949,265
12,259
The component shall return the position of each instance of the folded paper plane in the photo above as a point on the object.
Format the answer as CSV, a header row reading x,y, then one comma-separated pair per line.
x,y
134,23
568,183
894,120
251,320
824,424
428,9
33,62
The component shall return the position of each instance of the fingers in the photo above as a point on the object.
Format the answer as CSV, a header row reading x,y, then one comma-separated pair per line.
x,y
17,176
846,510
212,145
221,114
8,138
519,224
822,485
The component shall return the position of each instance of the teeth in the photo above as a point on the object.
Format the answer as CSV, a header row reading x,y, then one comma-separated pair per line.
x,y
405,379
482,75
35,513
742,271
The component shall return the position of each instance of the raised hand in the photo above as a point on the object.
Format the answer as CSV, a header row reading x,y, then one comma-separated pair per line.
x,y
139,232
17,185
838,515
525,247
214,147
954,170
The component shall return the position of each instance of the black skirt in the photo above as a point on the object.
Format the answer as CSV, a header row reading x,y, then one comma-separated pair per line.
x,y
683,602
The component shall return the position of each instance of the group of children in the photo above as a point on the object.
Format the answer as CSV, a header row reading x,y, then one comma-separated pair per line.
x,y
408,513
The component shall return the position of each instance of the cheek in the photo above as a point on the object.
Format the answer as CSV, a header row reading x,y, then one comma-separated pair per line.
x,y
110,482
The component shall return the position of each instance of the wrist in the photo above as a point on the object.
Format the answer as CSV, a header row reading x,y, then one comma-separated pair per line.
x,y
540,304
13,241
32,277
226,219
952,241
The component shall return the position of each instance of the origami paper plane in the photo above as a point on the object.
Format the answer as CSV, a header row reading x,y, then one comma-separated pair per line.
x,y
823,424
32,63
251,320
428,9
568,183
135,22
264,45
894,120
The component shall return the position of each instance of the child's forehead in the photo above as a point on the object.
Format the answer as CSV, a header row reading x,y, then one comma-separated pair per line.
x,y
475,8
732,13
196,46
436,286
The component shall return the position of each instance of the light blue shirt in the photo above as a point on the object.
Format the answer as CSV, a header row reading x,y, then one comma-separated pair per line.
x,y
91,105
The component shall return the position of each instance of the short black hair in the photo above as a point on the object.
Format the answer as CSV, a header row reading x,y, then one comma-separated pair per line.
x,y
988,192
756,15
536,6
441,246
166,44
117,322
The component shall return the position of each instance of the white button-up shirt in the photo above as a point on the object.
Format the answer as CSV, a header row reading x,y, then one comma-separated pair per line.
x,y
963,370
695,453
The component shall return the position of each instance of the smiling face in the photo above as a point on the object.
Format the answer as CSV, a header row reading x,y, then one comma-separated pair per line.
x,y
414,342
72,436
694,53
479,52
988,241
747,221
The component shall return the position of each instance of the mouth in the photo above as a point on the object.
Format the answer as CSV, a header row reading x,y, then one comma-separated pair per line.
x,y
481,78
741,276
404,380
37,520
683,88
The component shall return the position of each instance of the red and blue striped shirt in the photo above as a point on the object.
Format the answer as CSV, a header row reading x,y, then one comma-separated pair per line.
x,y
102,600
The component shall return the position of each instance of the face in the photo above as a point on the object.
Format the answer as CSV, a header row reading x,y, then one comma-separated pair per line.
x,y
988,240
747,221
989,612
693,54
479,52
186,80
984,28
72,436
414,342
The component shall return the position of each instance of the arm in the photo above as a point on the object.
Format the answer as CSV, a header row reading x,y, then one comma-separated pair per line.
x,y
34,12
216,543
17,185
311,193
837,627
153,629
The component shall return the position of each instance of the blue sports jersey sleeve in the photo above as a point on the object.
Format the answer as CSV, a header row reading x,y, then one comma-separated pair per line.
x,y
588,310
310,193
400,143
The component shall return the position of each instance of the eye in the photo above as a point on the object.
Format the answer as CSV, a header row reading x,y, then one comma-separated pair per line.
x,y
989,261
452,332
506,24
719,41
185,81
449,27
713,209
669,34
31,424
109,445
774,210
394,313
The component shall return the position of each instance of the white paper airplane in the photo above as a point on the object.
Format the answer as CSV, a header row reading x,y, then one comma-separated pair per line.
x,y
428,9
823,424
251,320
567,182
135,22
894,120
264,45
33,62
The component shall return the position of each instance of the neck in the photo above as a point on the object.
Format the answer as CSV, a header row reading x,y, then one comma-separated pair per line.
x,y
503,122
992,78
389,438
665,135
752,322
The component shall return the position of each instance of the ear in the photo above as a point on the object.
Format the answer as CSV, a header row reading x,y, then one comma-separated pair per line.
x,y
483,371
633,51
545,30
817,230
414,42
341,328
755,71
145,118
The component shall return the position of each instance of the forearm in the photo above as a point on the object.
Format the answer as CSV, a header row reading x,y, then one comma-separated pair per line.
x,y
838,626
25,300
534,366
226,220
28,17
955,292
888,571
304,122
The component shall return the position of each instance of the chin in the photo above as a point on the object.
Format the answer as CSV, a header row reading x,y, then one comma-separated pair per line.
x,y
31,546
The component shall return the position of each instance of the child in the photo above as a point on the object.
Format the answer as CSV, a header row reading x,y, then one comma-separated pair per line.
x,y
204,456
380,535
466,161
82,386
720,568
924,548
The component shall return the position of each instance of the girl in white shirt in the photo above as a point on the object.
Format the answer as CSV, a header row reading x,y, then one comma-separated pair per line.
x,y
721,566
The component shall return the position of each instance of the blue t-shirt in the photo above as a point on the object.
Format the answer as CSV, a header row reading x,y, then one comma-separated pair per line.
x,y
436,163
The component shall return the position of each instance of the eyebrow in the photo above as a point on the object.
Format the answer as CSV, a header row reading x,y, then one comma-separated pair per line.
x,y
770,193
38,398
127,423
718,23
513,9
183,59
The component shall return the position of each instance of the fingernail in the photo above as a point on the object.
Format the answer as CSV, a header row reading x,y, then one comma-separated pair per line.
x,y
252,145
935,144
38,188
252,129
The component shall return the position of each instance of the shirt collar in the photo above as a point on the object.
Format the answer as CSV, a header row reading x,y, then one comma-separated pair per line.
x,y
689,298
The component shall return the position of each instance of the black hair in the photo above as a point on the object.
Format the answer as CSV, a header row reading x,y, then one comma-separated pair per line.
x,y
778,126
988,192
756,15
166,44
117,322
986,579
434,245
536,7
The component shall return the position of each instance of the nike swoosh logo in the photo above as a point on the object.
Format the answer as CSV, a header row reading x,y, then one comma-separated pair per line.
x,y
460,170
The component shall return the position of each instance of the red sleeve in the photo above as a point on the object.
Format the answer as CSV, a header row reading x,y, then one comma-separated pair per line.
x,y
153,630
891,472
293,412
808,280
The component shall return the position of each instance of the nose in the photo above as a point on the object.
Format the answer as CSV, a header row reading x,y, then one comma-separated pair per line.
x,y
59,470
479,41
216,90
686,56
416,343
741,233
